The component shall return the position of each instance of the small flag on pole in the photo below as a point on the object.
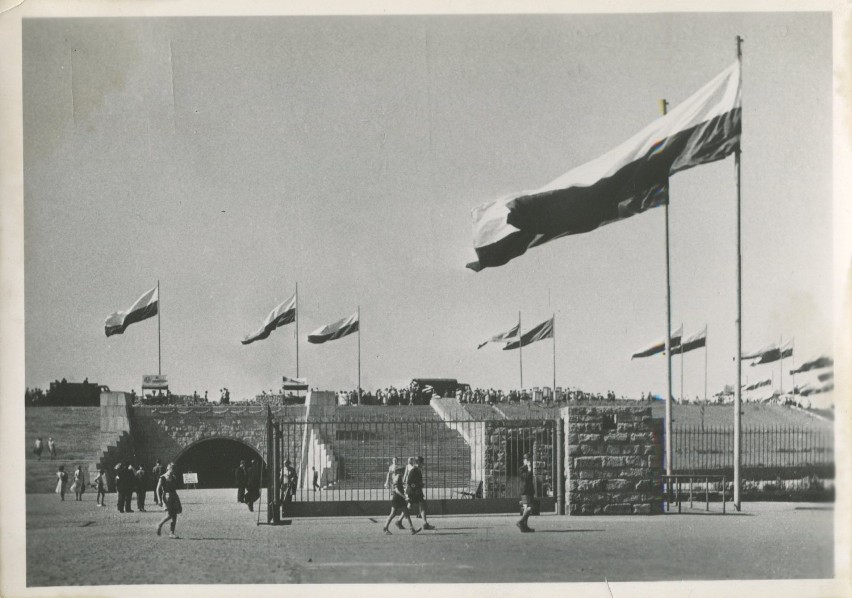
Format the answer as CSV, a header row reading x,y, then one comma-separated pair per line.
x,y
625,181
660,346
334,331
145,307
540,332
695,341
282,315
510,334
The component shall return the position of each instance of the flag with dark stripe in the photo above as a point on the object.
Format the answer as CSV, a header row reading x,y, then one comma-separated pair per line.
x,y
627,180
283,314
540,332
695,341
145,307
660,346
334,331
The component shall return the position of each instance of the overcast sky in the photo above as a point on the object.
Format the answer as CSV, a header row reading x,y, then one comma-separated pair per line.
x,y
230,158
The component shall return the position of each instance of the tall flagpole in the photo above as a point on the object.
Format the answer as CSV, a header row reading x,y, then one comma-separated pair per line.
x,y
739,356
682,338
520,350
781,361
159,350
297,329
554,356
359,354
706,331
664,105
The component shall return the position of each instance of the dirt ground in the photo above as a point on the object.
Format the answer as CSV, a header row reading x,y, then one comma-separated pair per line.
x,y
78,543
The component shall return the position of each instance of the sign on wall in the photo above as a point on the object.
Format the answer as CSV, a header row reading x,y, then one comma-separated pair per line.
x,y
155,381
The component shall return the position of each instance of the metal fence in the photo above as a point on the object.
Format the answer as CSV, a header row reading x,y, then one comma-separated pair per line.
x,y
348,459
768,452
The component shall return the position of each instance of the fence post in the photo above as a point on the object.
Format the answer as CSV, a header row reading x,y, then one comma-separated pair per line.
x,y
560,466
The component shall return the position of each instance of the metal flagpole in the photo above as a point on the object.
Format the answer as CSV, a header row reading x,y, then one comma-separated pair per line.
x,y
297,330
159,349
682,338
359,354
739,356
781,361
668,435
705,363
520,350
554,356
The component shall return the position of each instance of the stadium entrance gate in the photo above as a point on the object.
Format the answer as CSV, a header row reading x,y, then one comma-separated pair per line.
x,y
340,466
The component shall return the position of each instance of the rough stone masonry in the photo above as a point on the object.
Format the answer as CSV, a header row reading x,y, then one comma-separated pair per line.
x,y
613,461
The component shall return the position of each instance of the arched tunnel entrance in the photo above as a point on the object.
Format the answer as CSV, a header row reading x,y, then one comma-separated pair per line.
x,y
215,460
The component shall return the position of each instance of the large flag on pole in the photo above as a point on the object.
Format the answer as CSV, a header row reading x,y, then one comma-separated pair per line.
x,y
283,314
771,353
660,346
510,334
695,341
625,181
334,331
145,307
540,332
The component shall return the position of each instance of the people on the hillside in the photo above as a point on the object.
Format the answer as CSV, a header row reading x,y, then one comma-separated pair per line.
x,y
38,448
414,492
141,488
527,493
167,489
51,448
398,504
79,484
61,482
156,472
101,487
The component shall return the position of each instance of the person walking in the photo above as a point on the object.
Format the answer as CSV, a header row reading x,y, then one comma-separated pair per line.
x,y
156,472
62,482
414,492
141,488
101,486
527,494
291,479
51,448
253,485
38,448
79,485
398,504
167,489
241,480
316,485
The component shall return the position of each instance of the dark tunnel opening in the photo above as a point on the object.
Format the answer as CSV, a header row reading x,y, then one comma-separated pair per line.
x,y
215,460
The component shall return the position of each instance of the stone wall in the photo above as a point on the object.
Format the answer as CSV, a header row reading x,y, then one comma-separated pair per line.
x,y
505,443
613,461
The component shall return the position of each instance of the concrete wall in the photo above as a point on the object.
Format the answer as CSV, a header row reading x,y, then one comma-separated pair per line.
x,y
613,461
473,432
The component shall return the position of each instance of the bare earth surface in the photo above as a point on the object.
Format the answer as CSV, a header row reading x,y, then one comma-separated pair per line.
x,y
77,543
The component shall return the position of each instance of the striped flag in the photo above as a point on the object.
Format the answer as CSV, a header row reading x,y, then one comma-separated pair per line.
x,y
540,332
145,307
627,180
334,331
815,364
282,315
510,334
660,346
771,353
695,341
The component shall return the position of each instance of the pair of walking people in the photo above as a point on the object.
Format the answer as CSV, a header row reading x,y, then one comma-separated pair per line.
x,y
406,486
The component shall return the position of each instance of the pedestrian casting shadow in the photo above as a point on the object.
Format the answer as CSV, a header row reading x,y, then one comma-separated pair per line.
x,y
566,531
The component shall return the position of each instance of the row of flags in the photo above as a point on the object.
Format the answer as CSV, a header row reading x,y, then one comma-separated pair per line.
x,y
515,340
771,353
147,306
696,341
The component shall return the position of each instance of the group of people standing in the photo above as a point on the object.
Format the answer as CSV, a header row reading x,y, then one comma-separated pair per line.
x,y
248,481
38,448
77,487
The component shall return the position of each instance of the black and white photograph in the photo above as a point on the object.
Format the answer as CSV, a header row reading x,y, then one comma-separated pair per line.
x,y
379,294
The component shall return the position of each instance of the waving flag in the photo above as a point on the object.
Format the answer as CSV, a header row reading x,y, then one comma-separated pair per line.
x,y
510,334
145,307
771,353
660,346
693,342
818,363
540,332
627,180
334,331
280,316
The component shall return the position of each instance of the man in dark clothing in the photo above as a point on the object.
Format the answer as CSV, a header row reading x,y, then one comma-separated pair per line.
x,y
290,480
414,491
527,493
241,480
141,488
125,481
253,484
156,472
316,478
